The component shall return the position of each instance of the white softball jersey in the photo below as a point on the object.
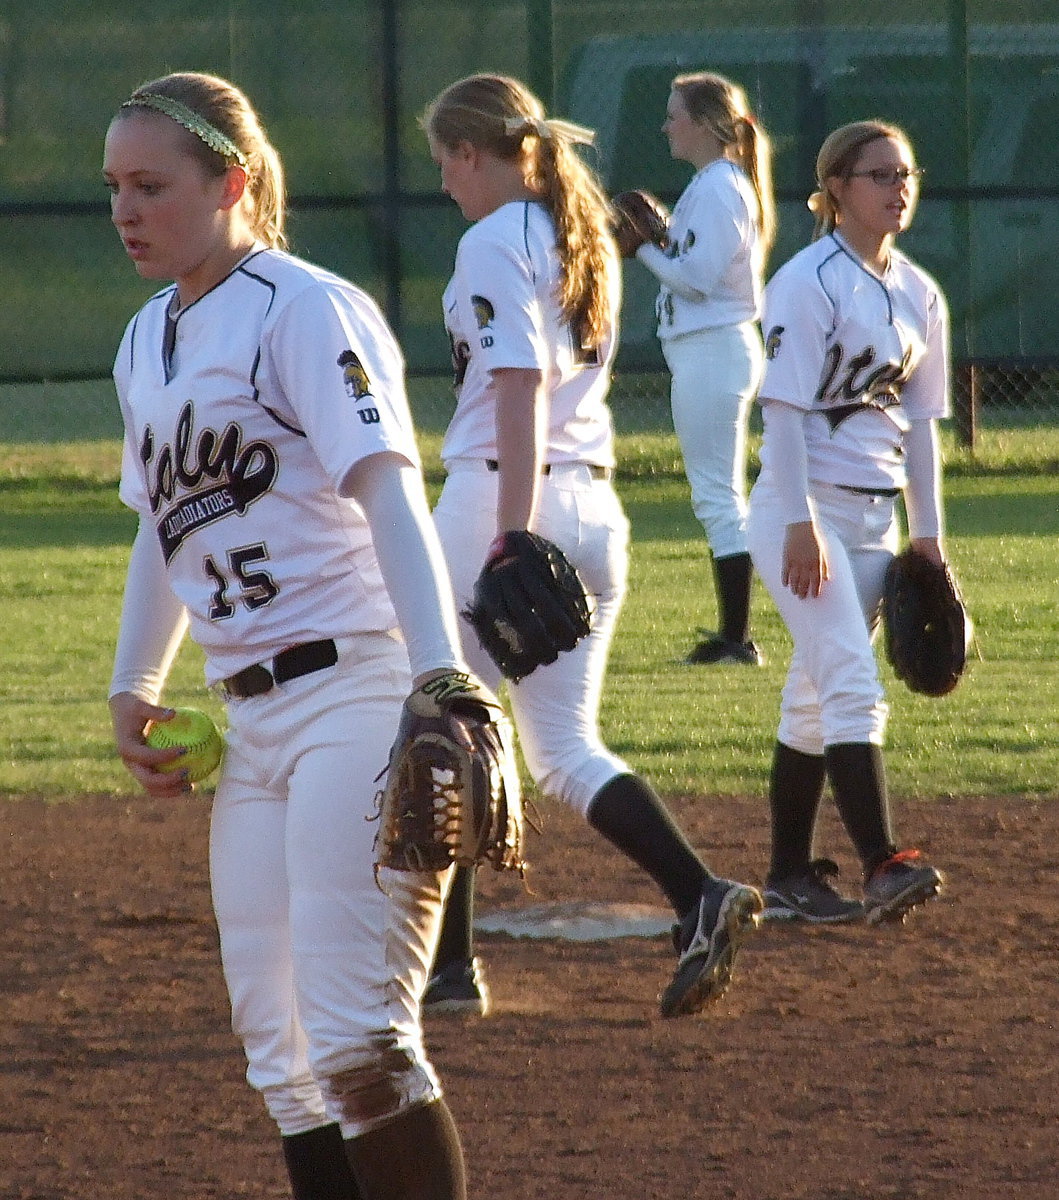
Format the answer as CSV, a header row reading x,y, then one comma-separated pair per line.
x,y
711,271
862,355
238,443
501,311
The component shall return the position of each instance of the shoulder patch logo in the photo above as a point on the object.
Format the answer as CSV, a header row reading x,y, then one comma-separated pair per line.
x,y
354,376
772,342
483,311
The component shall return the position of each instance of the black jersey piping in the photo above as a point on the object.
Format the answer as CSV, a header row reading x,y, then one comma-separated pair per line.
x,y
166,359
842,248
166,296
270,285
525,236
823,286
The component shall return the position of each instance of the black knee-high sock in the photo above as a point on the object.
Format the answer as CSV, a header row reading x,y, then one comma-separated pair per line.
x,y
629,815
318,1167
858,781
732,575
417,1156
796,787
456,940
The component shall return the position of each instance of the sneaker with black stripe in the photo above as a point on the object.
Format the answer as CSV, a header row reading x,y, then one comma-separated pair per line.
x,y
707,941
809,897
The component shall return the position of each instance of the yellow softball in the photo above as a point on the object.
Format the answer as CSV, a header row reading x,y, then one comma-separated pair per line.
x,y
200,737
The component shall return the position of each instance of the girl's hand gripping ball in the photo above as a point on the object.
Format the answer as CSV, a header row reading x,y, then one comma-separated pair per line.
x,y
195,731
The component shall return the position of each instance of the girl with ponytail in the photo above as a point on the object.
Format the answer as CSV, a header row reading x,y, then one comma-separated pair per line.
x,y
531,311
282,521
855,382
708,308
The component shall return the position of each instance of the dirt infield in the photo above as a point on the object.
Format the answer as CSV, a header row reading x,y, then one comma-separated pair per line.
x,y
920,1061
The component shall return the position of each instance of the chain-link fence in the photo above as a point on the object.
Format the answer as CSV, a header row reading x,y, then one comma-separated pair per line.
x,y
341,86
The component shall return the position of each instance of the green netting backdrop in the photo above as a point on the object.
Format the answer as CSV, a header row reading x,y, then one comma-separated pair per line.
x,y
341,87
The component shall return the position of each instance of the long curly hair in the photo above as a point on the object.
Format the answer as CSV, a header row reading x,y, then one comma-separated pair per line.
x,y
502,116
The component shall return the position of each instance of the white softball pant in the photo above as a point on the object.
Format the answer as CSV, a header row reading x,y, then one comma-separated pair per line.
x,y
716,373
556,709
833,694
324,966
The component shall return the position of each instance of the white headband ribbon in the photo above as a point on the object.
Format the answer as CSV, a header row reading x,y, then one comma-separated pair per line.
x,y
550,127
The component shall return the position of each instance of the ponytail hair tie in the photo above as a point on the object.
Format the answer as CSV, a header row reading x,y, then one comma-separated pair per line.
x,y
548,128
578,135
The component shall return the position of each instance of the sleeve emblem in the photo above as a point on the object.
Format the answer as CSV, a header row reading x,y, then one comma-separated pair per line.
x,y
354,376
483,311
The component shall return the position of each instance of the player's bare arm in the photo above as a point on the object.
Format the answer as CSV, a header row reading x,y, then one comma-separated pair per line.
x,y
521,435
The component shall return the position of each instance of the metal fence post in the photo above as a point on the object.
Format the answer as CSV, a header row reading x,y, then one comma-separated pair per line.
x,y
539,33
967,395
963,336
390,215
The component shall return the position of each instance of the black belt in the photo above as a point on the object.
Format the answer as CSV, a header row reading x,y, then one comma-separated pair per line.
x,y
288,664
890,493
595,471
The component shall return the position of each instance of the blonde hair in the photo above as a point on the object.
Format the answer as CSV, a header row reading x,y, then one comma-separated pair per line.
x,y
839,156
722,107
501,116
206,105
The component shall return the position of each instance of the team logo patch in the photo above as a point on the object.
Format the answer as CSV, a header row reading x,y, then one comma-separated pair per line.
x,y
354,376
772,342
483,311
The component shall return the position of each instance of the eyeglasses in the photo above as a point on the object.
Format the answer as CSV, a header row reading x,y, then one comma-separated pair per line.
x,y
888,176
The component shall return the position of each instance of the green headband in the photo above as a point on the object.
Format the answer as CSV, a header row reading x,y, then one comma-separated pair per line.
x,y
217,141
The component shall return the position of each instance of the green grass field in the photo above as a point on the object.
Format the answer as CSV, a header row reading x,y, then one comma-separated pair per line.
x,y
63,545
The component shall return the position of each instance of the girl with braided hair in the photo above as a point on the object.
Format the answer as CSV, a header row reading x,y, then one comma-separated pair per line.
x,y
531,311
708,307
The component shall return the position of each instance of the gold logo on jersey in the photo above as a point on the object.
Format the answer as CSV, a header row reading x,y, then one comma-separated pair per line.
x,y
483,311
354,376
772,342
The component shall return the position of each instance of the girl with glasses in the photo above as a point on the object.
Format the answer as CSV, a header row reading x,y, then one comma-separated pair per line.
x,y
856,379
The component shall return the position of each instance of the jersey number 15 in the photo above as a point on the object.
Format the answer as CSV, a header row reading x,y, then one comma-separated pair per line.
x,y
256,588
